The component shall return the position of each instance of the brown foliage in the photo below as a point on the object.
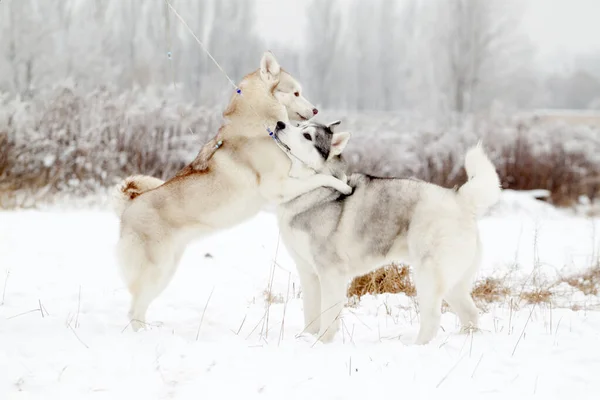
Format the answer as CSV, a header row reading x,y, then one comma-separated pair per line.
x,y
389,279
588,282
396,279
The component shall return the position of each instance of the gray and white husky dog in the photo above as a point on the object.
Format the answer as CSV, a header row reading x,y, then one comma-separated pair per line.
x,y
334,237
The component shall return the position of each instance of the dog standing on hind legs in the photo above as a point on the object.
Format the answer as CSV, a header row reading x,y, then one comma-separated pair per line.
x,y
334,237
231,179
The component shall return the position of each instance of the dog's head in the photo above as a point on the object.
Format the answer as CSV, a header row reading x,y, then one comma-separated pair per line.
x,y
314,144
286,89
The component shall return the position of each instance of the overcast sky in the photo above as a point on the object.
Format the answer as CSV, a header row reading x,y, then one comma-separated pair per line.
x,y
568,27
560,29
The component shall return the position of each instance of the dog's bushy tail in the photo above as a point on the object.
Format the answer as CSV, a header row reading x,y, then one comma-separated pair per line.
x,y
130,188
482,190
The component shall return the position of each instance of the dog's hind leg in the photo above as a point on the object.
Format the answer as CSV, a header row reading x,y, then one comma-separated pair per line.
x,y
429,295
460,300
147,282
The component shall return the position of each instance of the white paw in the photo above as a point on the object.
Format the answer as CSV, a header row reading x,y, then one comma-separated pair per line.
x,y
408,339
327,336
136,325
312,329
306,338
414,339
420,341
346,190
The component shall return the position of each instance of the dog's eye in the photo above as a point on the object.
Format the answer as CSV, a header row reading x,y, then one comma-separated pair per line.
x,y
307,136
296,94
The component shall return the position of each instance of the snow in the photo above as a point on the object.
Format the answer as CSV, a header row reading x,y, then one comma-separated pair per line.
x,y
208,338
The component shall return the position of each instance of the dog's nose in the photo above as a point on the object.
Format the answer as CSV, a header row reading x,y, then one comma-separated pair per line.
x,y
280,125
315,111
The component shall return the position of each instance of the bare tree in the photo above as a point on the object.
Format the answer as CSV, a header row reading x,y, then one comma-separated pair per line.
x,y
323,46
477,41
414,55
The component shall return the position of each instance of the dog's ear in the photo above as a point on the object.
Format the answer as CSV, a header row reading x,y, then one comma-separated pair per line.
x,y
339,142
269,68
333,125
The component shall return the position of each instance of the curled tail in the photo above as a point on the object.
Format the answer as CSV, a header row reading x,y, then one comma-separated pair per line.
x,y
482,190
130,188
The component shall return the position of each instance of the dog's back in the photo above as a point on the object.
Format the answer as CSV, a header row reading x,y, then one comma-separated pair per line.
x,y
362,227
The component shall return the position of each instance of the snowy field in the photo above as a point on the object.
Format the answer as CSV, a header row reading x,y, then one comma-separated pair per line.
x,y
64,334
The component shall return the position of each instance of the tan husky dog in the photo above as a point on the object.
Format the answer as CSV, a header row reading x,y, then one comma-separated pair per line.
x,y
232,178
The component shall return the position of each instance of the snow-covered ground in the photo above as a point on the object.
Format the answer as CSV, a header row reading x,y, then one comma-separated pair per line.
x,y
63,326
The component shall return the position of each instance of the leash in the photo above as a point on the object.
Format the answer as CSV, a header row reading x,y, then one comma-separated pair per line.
x,y
231,82
170,55
278,141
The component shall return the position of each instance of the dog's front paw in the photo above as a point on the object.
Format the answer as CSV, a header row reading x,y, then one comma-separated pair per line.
x,y
408,339
414,339
306,337
326,335
137,325
346,189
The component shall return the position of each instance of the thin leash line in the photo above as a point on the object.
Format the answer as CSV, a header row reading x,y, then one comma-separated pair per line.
x,y
169,45
170,55
282,145
237,89
202,45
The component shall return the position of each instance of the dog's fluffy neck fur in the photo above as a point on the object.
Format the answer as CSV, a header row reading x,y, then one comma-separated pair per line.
x,y
242,124
336,167
242,114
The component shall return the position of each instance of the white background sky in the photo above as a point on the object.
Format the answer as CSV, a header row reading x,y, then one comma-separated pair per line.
x,y
560,29
563,27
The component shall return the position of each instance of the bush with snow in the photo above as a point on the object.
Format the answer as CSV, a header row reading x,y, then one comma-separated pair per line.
x,y
67,140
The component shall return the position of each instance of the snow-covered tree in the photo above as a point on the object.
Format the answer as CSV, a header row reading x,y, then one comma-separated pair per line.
x,y
477,50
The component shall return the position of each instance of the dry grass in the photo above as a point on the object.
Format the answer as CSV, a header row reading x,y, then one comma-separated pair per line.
x,y
587,282
490,290
6,151
396,279
80,143
565,174
527,154
539,295
273,298
390,279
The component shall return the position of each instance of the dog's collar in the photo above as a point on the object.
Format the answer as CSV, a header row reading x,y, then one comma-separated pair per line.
x,y
283,146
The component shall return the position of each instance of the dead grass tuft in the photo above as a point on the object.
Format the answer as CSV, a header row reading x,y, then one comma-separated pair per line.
x,y
273,298
588,282
395,278
389,279
490,290
538,295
